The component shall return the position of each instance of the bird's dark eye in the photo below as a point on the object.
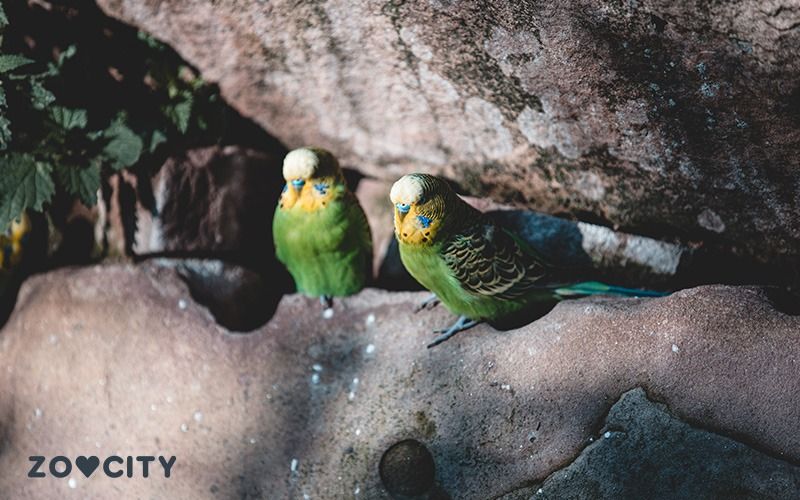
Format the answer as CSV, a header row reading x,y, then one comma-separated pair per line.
x,y
298,183
403,207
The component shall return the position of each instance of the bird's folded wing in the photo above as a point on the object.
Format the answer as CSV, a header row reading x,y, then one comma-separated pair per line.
x,y
487,260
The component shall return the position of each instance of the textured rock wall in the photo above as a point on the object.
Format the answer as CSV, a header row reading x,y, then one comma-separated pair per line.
x,y
669,118
308,405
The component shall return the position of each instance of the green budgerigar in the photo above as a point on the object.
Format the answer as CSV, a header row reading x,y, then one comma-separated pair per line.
x,y
320,231
479,270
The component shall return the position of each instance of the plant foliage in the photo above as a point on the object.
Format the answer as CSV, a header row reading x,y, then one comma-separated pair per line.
x,y
51,143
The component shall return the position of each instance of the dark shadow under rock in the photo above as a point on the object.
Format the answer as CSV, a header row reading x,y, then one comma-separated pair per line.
x,y
238,298
219,201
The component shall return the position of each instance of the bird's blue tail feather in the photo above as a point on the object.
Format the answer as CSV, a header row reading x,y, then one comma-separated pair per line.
x,y
596,288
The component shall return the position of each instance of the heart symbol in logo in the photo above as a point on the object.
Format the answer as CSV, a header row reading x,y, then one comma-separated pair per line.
x,y
87,465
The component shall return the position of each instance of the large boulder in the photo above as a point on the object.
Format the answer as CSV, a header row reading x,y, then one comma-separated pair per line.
x,y
675,119
308,405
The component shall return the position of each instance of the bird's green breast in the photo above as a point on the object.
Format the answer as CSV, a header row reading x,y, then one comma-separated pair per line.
x,y
326,250
426,265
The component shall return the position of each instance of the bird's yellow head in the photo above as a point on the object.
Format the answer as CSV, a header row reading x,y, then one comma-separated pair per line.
x,y
421,203
312,176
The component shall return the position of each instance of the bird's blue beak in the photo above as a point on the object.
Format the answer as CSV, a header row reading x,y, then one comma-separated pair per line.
x,y
298,183
403,208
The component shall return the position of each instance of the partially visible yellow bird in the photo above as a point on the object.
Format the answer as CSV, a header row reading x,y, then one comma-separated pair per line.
x,y
12,242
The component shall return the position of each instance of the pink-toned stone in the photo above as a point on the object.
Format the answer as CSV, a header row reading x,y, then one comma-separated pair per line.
x,y
119,359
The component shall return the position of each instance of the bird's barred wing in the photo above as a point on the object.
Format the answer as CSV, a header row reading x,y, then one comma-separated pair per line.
x,y
487,260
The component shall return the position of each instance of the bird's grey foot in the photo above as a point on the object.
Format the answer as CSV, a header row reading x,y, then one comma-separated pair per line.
x,y
326,301
461,324
428,303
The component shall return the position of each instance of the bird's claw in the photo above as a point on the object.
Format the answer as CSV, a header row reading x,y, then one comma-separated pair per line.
x,y
428,303
461,324
326,301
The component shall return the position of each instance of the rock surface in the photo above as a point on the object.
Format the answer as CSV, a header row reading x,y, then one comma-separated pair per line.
x,y
643,452
208,201
660,117
120,360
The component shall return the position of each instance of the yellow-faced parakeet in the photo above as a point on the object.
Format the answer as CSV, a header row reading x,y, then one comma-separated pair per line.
x,y
479,270
320,231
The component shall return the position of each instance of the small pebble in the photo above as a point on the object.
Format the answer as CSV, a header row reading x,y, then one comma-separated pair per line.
x,y
184,428
293,465
181,304
198,416
353,386
327,313
675,348
370,349
72,483
370,319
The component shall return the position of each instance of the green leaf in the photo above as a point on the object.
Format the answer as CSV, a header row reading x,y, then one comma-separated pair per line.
x,y
40,96
24,183
3,18
69,118
180,113
156,139
5,132
150,41
3,102
10,62
124,146
82,182
67,54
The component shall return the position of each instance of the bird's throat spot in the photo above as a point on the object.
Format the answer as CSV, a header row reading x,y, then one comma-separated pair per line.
x,y
411,235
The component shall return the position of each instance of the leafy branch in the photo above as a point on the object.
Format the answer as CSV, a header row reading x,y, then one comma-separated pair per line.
x,y
51,143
